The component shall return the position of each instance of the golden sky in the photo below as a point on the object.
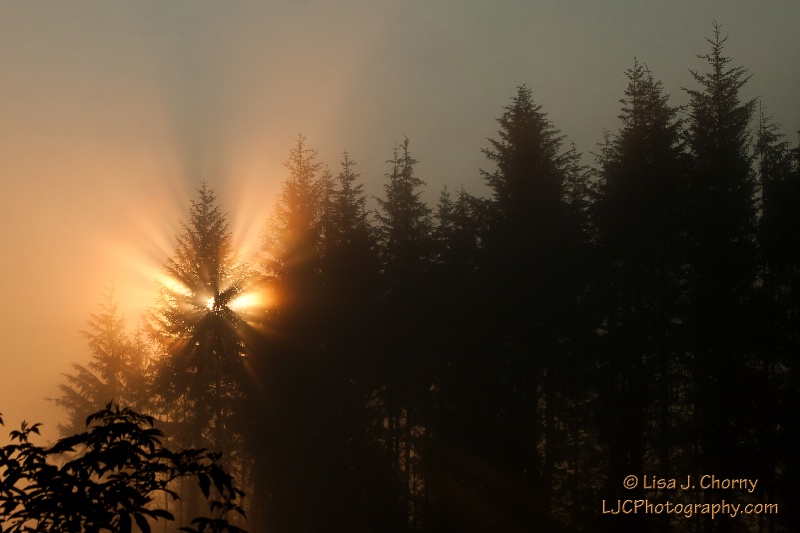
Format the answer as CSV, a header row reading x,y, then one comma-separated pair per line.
x,y
112,113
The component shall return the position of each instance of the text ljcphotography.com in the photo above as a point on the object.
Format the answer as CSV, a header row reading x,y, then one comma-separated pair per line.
x,y
705,482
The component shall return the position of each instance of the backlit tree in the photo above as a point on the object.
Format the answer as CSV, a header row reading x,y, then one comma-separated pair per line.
x,y
119,369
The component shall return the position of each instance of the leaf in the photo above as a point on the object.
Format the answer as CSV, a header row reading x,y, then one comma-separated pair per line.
x,y
125,523
141,521
205,484
161,513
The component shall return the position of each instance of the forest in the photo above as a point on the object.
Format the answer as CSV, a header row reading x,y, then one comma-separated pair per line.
x,y
499,363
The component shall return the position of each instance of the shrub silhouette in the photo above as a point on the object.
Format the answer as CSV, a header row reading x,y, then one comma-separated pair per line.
x,y
109,477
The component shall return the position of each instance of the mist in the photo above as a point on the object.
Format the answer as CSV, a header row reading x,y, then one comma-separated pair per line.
x,y
112,117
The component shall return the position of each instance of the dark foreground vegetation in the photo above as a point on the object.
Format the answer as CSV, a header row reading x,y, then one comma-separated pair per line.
x,y
115,476
501,363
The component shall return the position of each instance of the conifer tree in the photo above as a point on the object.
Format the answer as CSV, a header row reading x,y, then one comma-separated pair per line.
x,y
722,261
780,190
296,367
325,218
291,239
532,284
199,332
118,370
404,226
722,185
202,340
640,215
461,227
778,320
352,263
348,259
349,269
404,235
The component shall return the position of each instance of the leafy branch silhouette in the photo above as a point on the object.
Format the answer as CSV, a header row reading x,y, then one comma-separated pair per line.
x,y
109,477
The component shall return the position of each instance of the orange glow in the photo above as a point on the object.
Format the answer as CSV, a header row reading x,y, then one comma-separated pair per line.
x,y
175,286
248,200
247,301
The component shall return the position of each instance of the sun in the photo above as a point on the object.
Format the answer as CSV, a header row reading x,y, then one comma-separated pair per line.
x,y
247,301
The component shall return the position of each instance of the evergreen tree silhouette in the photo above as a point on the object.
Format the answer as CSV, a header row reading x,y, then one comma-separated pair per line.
x,y
404,232
641,220
349,269
514,379
200,334
722,261
300,458
119,369
774,374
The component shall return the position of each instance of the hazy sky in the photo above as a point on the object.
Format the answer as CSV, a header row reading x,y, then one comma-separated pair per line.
x,y
112,112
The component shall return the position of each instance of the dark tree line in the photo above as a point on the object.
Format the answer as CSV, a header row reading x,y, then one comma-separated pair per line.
x,y
500,363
